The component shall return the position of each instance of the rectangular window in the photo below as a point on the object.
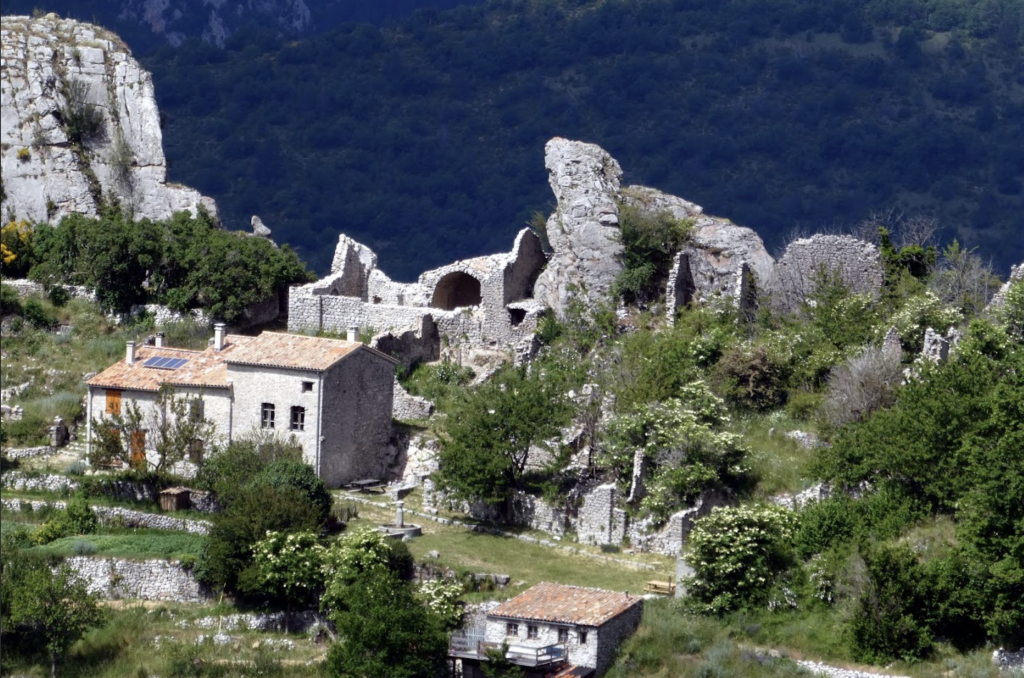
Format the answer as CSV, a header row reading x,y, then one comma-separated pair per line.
x,y
298,419
531,631
196,410
307,386
113,402
583,637
563,635
511,629
195,451
267,415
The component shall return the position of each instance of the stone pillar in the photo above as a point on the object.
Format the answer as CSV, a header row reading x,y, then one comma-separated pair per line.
x,y
400,513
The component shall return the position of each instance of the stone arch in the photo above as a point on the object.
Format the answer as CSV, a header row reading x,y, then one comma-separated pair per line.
x,y
456,289
522,274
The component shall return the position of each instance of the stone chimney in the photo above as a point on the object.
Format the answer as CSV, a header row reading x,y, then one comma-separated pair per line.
x,y
218,337
130,353
353,333
159,340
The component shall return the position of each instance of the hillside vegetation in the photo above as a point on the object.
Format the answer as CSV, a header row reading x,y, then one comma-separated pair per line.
x,y
423,139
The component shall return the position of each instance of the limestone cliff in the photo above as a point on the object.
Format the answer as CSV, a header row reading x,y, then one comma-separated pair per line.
x,y
80,126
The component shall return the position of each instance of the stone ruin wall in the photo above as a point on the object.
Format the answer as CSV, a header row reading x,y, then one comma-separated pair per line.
x,y
857,263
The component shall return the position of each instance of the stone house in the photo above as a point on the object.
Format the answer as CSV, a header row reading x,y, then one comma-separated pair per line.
x,y
332,396
552,630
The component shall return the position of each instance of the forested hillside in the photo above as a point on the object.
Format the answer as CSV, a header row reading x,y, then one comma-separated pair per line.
x,y
425,139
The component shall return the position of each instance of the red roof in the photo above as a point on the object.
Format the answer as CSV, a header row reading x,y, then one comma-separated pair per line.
x,y
559,603
208,369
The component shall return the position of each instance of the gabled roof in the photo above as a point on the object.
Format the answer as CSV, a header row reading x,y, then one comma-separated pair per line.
x,y
204,369
209,368
297,351
559,603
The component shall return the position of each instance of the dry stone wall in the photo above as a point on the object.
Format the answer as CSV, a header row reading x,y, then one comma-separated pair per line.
x,y
120,578
130,518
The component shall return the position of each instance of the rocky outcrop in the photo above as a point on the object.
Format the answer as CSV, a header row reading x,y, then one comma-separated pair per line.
x,y
584,229
1016,274
80,126
857,263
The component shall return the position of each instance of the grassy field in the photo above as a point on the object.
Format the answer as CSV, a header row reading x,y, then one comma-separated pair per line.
x,y
671,643
140,544
146,640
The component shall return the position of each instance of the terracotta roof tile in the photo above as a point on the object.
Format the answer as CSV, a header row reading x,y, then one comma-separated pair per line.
x,y
296,351
204,368
549,602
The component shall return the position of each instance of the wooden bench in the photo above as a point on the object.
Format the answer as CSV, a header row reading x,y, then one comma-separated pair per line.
x,y
661,588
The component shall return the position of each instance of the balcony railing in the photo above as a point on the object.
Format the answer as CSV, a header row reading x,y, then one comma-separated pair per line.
x,y
473,646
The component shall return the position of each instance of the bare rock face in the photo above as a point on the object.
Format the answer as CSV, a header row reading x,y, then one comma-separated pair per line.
x,y
724,261
583,231
857,263
54,72
259,229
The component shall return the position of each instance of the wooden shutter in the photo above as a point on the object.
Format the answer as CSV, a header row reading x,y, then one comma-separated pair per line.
x,y
138,450
113,402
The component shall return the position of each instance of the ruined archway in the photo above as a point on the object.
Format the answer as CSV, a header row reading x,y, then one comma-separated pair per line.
x,y
456,289
524,271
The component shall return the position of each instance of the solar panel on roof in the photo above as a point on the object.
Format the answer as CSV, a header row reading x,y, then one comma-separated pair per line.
x,y
164,363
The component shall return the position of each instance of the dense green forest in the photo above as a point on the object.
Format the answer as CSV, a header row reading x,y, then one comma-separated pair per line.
x,y
425,139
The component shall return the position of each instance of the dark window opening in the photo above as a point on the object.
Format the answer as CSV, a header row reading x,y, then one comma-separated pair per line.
x,y
298,419
516,316
307,386
511,629
583,637
531,631
267,415
563,635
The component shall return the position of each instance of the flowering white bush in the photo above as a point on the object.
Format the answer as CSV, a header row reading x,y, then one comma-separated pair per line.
x,y
737,553
918,314
442,598
289,565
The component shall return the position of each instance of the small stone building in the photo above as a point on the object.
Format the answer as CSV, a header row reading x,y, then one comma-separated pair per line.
x,y
553,630
333,397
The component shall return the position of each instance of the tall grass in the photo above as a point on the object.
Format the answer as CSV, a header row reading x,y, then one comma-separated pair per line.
x,y
780,463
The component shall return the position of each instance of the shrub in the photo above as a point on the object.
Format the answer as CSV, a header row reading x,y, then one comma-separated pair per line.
x,y
82,120
51,530
649,241
38,316
24,154
59,296
887,624
10,302
823,524
737,554
79,518
751,378
83,547
861,385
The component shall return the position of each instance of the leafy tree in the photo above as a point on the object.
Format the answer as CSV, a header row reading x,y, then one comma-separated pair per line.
x,y
1011,311
737,553
289,566
889,621
489,434
227,472
55,604
360,553
963,280
684,443
385,632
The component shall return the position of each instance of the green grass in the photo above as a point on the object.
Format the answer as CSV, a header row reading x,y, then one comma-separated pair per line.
x,y
125,647
527,564
139,545
779,462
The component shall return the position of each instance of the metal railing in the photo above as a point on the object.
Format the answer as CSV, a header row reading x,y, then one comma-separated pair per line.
x,y
473,646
